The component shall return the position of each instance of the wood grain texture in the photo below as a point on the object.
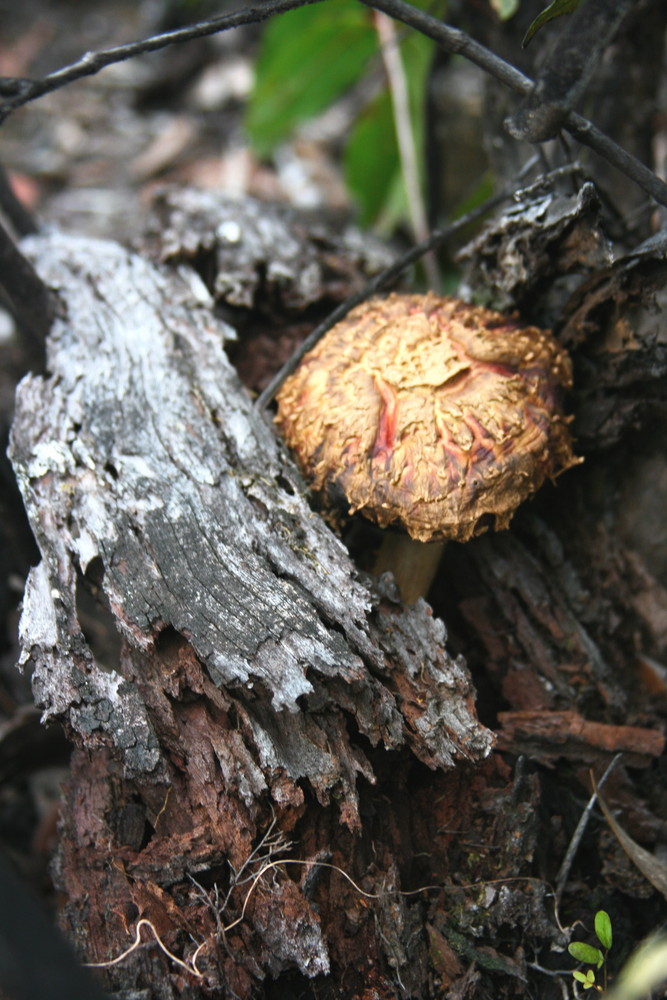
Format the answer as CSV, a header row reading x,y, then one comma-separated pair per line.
x,y
256,670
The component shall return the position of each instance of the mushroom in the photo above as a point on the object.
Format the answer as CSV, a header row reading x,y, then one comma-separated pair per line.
x,y
429,414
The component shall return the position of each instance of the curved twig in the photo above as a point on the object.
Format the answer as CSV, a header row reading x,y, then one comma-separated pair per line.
x,y
191,967
381,280
458,43
565,73
22,91
452,40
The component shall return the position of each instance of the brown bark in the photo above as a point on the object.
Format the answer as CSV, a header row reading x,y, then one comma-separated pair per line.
x,y
546,736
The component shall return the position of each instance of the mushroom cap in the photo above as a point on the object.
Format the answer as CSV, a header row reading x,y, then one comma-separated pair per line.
x,y
429,413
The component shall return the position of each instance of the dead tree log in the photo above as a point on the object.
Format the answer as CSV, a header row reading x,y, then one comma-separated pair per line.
x,y
266,716
257,678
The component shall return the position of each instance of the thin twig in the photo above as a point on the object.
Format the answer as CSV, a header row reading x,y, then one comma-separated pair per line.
x,y
458,43
554,974
384,894
22,91
564,870
405,139
271,865
450,39
380,281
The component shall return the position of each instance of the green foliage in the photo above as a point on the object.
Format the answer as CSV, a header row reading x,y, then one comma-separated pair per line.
x,y
371,158
591,955
587,978
555,9
308,59
586,953
603,929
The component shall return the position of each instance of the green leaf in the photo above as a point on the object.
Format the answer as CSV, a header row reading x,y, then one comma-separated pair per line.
x,y
371,158
603,929
505,8
555,9
587,978
586,953
308,58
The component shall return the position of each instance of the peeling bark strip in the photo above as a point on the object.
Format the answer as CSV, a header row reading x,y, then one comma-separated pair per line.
x,y
251,653
546,736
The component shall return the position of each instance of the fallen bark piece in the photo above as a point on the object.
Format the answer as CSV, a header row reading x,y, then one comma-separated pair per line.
x,y
256,673
542,237
258,255
548,256
547,736
615,323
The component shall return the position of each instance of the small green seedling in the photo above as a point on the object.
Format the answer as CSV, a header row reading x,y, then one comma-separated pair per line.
x,y
591,955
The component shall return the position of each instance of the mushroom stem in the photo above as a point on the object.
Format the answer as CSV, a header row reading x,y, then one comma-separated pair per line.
x,y
413,564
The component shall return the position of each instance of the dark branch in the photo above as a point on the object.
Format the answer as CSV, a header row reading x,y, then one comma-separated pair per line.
x,y
567,70
458,43
450,39
382,280
92,62
28,297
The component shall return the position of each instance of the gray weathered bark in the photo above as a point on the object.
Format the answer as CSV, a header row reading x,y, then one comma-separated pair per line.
x,y
255,668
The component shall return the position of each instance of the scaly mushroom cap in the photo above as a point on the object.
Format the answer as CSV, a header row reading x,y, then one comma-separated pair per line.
x,y
429,413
